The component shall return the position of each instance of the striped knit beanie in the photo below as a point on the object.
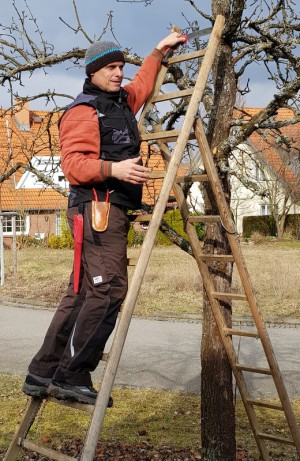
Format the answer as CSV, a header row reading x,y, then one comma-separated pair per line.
x,y
99,54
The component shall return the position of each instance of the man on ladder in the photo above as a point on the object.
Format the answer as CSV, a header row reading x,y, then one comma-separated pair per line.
x,y
100,148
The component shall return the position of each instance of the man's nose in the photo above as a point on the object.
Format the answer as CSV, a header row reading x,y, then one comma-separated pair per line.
x,y
119,71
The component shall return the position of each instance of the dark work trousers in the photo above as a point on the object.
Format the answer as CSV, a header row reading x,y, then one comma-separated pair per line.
x,y
83,322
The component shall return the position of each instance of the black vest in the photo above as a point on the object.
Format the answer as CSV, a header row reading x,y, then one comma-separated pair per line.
x,y
119,141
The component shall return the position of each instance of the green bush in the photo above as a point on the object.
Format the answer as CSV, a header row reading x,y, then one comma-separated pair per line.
x,y
25,241
65,239
174,220
264,225
134,237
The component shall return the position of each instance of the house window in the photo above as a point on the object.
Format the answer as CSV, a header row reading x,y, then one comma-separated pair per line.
x,y
58,224
22,225
264,210
259,174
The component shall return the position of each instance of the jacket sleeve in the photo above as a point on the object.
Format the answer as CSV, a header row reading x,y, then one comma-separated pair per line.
x,y
80,147
143,82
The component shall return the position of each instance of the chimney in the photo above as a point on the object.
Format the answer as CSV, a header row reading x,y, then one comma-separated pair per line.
x,y
22,115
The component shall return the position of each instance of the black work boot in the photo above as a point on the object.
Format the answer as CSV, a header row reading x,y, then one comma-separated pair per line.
x,y
36,386
80,393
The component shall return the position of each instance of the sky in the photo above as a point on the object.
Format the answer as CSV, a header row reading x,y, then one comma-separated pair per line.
x,y
136,26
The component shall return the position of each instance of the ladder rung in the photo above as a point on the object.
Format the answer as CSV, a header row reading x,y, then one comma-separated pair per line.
x,y
250,334
187,56
213,257
75,405
160,135
265,404
52,454
193,178
157,174
166,136
131,261
173,95
204,218
143,218
181,179
274,438
233,296
263,371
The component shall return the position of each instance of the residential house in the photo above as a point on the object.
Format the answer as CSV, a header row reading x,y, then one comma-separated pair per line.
x,y
30,157
31,138
265,174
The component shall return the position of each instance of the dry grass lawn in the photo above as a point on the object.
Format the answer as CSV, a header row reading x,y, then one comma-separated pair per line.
x,y
172,284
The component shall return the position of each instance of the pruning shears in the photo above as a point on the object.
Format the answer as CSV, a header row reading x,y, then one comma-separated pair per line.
x,y
187,38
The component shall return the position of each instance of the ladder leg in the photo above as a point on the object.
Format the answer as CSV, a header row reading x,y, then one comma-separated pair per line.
x,y
131,298
246,282
22,431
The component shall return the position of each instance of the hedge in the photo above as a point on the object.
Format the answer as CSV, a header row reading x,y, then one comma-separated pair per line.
x,y
266,225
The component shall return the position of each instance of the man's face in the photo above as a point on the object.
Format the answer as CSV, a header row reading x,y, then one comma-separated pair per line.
x,y
109,78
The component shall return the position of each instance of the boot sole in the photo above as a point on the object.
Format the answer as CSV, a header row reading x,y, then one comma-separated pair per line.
x,y
35,391
67,394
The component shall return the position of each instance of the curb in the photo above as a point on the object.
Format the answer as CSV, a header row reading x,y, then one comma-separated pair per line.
x,y
192,318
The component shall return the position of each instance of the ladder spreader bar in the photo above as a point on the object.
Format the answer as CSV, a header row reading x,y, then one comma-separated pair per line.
x,y
265,404
274,438
250,334
52,454
262,371
233,296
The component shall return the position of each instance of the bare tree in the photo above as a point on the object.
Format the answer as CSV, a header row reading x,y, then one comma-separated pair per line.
x,y
256,33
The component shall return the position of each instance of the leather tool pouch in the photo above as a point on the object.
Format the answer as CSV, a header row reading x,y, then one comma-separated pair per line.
x,y
100,215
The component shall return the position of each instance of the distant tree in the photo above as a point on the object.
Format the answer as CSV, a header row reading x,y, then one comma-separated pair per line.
x,y
259,34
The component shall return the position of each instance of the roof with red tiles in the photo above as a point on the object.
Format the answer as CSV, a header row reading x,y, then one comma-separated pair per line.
x,y
25,133
282,160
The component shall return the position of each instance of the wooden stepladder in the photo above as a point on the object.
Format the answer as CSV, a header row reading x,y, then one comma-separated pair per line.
x,y
192,127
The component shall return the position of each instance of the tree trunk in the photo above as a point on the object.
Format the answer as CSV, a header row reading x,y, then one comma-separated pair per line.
x,y
217,399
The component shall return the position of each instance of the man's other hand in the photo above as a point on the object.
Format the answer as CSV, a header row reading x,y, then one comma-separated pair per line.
x,y
130,171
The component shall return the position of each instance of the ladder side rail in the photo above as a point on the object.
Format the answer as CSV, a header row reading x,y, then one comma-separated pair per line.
x,y
216,308
245,279
23,429
138,275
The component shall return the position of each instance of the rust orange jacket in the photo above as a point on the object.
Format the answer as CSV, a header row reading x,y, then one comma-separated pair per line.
x,y
80,141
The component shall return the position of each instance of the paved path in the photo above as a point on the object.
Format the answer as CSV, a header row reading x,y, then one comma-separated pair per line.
x,y
157,354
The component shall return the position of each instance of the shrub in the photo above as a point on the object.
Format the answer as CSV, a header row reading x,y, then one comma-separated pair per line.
x,y
65,239
258,238
264,225
25,241
134,237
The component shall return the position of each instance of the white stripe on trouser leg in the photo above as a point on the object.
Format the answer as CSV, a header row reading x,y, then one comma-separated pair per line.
x,y
71,342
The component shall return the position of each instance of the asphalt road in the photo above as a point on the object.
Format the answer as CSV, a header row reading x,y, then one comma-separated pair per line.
x,y
157,354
